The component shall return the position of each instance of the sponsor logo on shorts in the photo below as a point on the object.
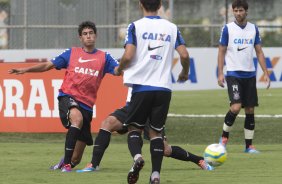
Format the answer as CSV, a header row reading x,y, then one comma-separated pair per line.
x,y
236,96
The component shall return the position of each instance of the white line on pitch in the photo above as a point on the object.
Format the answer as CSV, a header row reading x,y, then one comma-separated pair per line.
x,y
221,115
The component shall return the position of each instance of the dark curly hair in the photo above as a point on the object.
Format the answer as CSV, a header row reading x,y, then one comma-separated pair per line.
x,y
151,5
240,3
86,24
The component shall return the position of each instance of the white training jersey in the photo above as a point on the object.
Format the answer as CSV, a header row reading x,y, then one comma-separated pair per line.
x,y
152,63
241,41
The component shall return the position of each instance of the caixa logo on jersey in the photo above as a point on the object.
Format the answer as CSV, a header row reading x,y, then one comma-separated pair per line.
x,y
192,76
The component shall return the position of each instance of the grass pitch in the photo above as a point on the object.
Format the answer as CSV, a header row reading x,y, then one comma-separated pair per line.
x,y
25,158
23,163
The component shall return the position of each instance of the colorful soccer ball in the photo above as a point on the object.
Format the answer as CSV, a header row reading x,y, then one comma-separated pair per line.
x,y
215,154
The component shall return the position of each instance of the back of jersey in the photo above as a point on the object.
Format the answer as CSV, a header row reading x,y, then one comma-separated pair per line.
x,y
155,44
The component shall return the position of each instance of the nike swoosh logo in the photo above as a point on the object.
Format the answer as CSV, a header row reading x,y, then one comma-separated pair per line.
x,y
239,49
85,60
153,48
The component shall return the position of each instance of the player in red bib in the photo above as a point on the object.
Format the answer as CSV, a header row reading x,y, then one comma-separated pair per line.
x,y
85,68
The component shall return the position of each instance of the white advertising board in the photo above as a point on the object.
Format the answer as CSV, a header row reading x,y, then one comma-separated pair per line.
x,y
203,65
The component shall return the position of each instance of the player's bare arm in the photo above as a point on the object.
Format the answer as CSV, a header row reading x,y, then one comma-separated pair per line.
x,y
125,59
261,59
42,67
185,62
220,60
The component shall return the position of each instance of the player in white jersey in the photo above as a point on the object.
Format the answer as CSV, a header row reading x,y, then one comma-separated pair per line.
x,y
236,45
147,65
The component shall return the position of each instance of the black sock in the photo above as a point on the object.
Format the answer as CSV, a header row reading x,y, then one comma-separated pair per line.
x,y
157,152
102,142
248,142
249,125
135,143
70,142
181,154
73,164
229,121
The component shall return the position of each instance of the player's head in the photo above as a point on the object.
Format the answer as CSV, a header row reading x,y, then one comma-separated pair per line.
x,y
86,24
240,10
87,34
240,4
151,5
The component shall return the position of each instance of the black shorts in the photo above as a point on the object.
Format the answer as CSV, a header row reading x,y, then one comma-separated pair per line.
x,y
121,115
65,104
146,132
242,90
152,105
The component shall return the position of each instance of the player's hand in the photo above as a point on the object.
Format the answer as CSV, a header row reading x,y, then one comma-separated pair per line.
x,y
117,71
17,71
266,80
220,81
182,77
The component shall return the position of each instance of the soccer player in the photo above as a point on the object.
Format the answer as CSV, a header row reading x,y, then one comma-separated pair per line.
x,y
114,123
85,68
147,63
236,45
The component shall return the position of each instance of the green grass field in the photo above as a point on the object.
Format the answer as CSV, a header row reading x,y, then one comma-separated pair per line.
x,y
23,163
25,158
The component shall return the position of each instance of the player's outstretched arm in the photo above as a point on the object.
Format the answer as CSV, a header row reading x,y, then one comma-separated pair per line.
x,y
42,67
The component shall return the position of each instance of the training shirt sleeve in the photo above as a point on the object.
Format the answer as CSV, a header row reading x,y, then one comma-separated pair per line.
x,y
62,60
130,37
179,39
110,65
257,38
224,36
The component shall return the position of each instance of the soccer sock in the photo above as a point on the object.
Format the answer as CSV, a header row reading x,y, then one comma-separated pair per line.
x,y
228,122
70,142
181,154
249,129
73,164
102,142
135,142
157,152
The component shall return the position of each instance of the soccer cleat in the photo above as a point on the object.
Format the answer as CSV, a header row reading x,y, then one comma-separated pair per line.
x,y
66,168
223,141
205,166
252,150
58,165
89,168
133,173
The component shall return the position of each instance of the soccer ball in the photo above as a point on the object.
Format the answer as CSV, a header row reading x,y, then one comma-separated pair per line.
x,y
215,154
